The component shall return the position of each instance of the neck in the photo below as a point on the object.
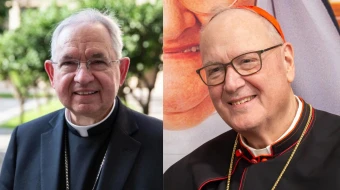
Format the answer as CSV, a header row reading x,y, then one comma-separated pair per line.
x,y
263,136
85,120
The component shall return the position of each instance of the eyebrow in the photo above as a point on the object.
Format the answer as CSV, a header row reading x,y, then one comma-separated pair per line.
x,y
93,56
67,56
98,55
212,63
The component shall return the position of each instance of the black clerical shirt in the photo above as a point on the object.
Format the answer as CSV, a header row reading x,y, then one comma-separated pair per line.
x,y
85,154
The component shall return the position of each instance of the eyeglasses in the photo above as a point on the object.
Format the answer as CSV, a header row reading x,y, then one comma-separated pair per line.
x,y
245,64
205,6
70,66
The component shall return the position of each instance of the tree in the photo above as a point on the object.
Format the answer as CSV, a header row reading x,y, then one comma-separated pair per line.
x,y
24,50
142,37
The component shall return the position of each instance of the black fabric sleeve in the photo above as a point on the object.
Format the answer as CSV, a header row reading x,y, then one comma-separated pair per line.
x,y
8,166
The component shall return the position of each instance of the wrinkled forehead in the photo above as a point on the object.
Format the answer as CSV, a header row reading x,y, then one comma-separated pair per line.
x,y
84,32
84,38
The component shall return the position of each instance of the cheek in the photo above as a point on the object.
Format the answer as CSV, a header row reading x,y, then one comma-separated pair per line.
x,y
215,93
109,81
62,83
271,93
269,81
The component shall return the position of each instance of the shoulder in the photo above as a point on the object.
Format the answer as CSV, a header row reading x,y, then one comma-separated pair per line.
x,y
39,125
146,123
215,148
204,153
26,137
145,119
209,155
142,128
326,126
327,117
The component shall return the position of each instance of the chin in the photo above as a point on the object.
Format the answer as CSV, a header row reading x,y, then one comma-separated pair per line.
x,y
245,129
242,124
86,110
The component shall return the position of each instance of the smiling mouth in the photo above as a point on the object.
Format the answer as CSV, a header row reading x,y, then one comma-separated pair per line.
x,y
190,49
244,100
193,49
86,93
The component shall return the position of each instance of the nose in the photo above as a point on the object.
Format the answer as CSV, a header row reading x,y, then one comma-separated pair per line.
x,y
83,75
233,81
176,19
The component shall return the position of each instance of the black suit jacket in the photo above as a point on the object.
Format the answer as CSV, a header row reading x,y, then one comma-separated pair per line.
x,y
314,166
134,157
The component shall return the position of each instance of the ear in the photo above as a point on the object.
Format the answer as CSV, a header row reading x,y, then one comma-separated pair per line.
x,y
123,67
50,71
289,64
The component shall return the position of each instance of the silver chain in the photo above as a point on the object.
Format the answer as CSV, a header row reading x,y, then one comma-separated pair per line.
x,y
66,166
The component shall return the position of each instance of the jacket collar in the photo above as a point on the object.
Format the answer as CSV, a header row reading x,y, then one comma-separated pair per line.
x,y
285,143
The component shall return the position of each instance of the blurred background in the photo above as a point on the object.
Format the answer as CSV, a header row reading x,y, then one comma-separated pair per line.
x,y
25,33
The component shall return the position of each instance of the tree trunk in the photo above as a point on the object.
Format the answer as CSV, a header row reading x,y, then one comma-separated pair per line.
x,y
146,105
22,110
145,80
37,98
20,97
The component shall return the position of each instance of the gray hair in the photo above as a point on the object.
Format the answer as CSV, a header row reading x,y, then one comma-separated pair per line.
x,y
92,16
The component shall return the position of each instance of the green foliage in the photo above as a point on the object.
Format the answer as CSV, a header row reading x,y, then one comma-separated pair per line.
x,y
24,50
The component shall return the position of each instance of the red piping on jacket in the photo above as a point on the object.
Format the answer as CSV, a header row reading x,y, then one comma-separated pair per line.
x,y
220,178
241,182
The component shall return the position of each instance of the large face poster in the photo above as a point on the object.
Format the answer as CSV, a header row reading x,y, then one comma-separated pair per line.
x,y
189,115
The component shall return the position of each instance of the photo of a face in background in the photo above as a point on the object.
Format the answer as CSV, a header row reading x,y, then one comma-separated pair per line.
x,y
186,99
189,116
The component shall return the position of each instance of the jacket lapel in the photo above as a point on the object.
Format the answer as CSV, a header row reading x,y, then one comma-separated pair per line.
x,y
122,151
51,147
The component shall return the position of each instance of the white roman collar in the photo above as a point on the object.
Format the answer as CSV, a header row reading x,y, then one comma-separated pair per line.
x,y
267,150
82,130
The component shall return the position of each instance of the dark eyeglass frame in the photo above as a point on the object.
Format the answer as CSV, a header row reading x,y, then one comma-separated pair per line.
x,y
225,65
87,63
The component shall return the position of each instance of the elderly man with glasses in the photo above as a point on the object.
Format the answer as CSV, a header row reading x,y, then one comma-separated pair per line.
x,y
95,142
277,141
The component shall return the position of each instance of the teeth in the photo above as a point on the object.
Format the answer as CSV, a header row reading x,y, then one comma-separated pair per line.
x,y
243,101
85,93
192,49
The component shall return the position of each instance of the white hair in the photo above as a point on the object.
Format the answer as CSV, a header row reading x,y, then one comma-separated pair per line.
x,y
91,16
